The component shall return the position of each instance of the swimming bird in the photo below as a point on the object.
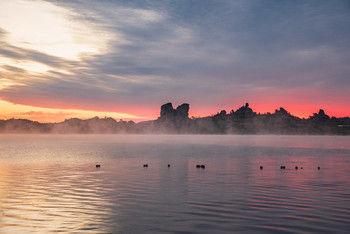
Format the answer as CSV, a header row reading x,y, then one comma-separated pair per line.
x,y
296,167
202,166
261,167
318,168
98,165
145,165
168,165
198,166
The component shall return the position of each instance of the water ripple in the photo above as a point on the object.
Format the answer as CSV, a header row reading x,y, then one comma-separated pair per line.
x,y
58,189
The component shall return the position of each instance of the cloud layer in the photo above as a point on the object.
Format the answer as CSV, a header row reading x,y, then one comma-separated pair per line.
x,y
132,56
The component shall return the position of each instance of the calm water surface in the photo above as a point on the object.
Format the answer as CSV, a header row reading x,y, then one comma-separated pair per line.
x,y
49,183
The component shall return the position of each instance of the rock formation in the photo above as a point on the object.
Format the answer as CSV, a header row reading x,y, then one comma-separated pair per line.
x,y
182,111
173,120
241,121
167,112
244,112
321,116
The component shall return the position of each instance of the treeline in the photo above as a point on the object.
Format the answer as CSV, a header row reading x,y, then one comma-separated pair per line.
x,y
245,121
176,121
69,126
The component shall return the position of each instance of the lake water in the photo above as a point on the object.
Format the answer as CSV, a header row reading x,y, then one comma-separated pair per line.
x,y
49,183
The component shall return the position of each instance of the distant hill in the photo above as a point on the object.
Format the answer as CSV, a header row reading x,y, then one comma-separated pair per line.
x,y
176,121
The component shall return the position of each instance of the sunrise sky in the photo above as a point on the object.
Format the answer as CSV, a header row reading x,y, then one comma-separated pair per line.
x,y
123,59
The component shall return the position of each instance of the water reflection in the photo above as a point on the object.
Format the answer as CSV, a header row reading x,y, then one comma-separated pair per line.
x,y
51,184
53,198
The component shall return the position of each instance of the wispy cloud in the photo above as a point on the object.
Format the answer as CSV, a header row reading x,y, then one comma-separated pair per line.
x,y
133,56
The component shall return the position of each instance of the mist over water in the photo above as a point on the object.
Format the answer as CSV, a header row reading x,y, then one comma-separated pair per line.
x,y
49,183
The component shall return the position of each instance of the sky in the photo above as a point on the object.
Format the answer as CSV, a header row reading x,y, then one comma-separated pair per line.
x,y
124,59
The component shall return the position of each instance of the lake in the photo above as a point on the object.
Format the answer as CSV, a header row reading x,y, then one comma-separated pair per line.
x,y
50,183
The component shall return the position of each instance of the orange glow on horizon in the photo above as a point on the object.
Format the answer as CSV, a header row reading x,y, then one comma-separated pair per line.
x,y
46,115
301,111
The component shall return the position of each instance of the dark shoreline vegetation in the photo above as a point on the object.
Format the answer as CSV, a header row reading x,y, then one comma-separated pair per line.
x,y
176,121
